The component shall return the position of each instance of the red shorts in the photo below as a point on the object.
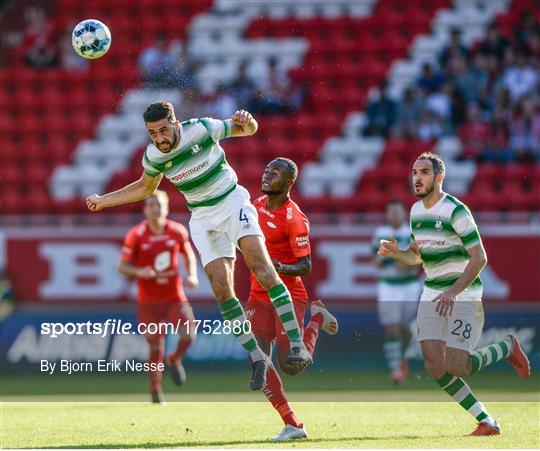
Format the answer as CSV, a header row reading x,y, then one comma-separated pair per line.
x,y
265,321
157,312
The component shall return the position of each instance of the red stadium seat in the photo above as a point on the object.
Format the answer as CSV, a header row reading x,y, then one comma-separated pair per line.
x,y
346,56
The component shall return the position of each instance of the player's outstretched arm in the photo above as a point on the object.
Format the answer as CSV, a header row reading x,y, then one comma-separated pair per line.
x,y
409,257
243,124
133,192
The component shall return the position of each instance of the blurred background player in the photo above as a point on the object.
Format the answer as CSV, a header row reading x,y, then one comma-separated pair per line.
x,y
150,253
286,231
397,291
189,154
450,315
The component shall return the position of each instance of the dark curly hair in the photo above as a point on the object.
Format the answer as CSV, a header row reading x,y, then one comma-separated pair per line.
x,y
159,110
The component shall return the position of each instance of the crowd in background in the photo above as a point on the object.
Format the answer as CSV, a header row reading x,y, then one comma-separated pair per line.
x,y
163,65
42,44
488,94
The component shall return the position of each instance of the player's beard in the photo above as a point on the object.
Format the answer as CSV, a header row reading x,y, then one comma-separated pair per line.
x,y
428,191
171,146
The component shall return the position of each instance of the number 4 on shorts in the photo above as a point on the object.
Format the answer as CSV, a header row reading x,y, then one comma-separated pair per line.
x,y
243,216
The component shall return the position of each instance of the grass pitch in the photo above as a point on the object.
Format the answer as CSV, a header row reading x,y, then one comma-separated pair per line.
x,y
202,414
249,424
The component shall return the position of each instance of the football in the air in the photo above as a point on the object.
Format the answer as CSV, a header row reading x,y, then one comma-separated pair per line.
x,y
91,39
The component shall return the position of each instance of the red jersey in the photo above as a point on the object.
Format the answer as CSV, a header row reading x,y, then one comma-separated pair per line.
x,y
142,247
287,239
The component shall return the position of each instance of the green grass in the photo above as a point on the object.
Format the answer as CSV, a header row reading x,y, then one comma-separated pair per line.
x,y
249,424
201,413
321,386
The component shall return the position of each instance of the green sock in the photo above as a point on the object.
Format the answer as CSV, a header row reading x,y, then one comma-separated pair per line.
x,y
490,354
232,311
461,393
393,352
281,300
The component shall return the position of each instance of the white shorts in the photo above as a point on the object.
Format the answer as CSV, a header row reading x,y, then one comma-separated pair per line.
x,y
462,330
216,230
397,304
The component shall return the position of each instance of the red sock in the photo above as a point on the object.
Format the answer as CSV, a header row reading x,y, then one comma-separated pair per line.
x,y
154,377
318,318
290,418
273,390
311,332
183,345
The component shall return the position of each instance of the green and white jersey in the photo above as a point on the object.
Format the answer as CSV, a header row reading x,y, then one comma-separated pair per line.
x,y
196,166
443,233
388,272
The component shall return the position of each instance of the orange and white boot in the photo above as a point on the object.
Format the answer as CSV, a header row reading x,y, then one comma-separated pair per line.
x,y
518,359
486,428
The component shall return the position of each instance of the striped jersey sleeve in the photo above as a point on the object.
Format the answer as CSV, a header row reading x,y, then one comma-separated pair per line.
x,y
217,129
148,168
463,223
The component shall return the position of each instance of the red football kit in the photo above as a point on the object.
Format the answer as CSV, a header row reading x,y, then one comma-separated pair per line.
x,y
142,247
286,231
161,298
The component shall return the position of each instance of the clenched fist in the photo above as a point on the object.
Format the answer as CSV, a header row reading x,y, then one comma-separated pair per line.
x,y
95,202
388,248
241,117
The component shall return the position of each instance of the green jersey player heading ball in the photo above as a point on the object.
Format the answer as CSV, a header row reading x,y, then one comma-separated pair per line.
x,y
189,154
445,240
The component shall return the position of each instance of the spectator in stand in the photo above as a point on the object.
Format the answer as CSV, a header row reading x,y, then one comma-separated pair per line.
x,y
458,109
243,89
275,94
474,134
454,49
533,48
159,65
496,148
520,131
382,114
430,126
503,104
493,72
520,79
38,47
439,103
430,81
409,111
526,27
494,44
468,78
